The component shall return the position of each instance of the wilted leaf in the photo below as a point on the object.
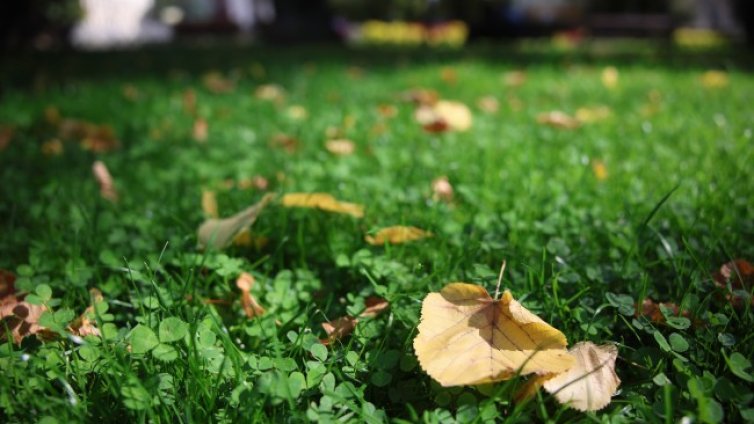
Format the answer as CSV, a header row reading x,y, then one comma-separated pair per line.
x,y
105,181
247,238
258,182
387,111
338,328
322,201
558,119
457,115
421,96
610,77
296,112
200,130
209,204
488,104
340,147
466,338
590,384
449,75
219,233
189,102
6,135
739,274
442,189
130,92
396,235
250,305
715,79
85,324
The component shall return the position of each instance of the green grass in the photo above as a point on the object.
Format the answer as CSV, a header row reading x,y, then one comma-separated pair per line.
x,y
581,252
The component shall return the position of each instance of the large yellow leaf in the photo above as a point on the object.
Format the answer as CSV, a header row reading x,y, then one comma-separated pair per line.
x,y
591,382
466,337
219,233
397,234
322,201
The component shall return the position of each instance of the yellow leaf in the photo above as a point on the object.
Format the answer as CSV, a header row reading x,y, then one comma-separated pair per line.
x,y
600,170
396,235
445,114
591,382
271,92
714,79
466,338
219,233
322,201
592,114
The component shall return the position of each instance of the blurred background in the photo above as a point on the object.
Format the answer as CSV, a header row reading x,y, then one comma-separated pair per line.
x,y
109,24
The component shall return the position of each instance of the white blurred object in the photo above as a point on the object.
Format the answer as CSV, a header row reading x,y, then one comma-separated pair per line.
x,y
246,13
115,23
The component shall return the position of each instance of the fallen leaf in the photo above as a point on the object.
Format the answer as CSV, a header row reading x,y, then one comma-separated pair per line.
x,y
610,77
189,102
285,142
270,92
6,135
130,92
488,104
247,239
52,147
421,96
599,169
85,324
216,83
219,233
449,75
21,318
739,274
466,338
396,235
558,119
444,115
514,78
387,111
714,79
341,147
200,130
653,310
587,115
442,189
250,305
591,383
258,182
322,201
209,204
374,306
105,181
338,328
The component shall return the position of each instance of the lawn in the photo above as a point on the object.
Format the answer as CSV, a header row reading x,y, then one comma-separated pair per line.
x,y
640,205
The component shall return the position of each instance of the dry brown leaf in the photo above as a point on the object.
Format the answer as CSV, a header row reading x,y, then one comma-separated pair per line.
x,y
85,324
270,92
200,130
739,274
449,75
52,147
216,83
250,305
442,190
209,204
610,77
219,233
6,135
652,310
599,169
247,239
467,338
340,147
488,104
374,306
322,201
189,102
285,142
421,96
130,92
591,383
714,79
396,235
387,111
558,119
105,181
21,318
444,115
257,182
338,328
514,78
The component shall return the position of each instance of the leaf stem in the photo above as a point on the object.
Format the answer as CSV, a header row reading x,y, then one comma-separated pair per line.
x,y
499,280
